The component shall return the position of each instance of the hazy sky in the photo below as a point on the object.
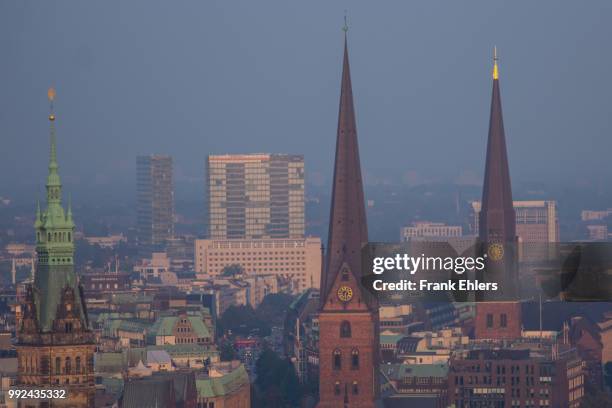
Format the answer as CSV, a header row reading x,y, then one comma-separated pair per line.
x,y
194,78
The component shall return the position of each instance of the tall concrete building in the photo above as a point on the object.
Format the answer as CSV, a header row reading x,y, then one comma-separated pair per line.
x,y
253,196
155,201
55,345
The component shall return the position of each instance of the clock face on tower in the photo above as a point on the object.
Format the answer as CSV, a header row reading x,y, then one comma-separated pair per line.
x,y
496,251
344,293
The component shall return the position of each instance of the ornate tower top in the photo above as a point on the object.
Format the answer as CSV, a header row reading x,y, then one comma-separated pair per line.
x,y
54,240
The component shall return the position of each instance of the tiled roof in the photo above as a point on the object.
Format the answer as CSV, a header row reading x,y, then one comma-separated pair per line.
x,y
219,386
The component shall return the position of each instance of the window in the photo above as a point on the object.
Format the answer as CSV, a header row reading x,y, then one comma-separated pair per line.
x,y
354,359
337,360
489,320
78,365
345,275
503,320
355,388
337,388
345,329
58,365
67,367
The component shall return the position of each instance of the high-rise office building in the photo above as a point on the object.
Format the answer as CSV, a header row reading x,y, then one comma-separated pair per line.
x,y
255,196
155,201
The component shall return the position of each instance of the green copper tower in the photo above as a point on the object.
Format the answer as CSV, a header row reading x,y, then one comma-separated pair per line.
x,y
54,242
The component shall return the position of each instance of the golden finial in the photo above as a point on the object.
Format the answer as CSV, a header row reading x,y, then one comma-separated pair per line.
x,y
345,28
495,68
51,96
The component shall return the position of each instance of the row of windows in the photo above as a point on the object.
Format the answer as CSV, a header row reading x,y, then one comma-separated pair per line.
x,y
337,359
503,320
63,236
354,388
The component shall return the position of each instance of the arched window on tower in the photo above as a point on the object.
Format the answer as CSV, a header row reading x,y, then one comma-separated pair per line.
x,y
354,359
58,366
68,366
337,359
345,329
345,275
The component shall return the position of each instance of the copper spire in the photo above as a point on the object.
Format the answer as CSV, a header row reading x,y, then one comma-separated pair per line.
x,y
497,217
347,223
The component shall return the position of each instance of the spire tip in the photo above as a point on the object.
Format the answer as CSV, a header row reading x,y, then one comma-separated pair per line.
x,y
495,59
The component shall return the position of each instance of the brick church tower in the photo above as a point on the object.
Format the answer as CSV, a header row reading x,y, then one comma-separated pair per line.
x,y
348,317
55,345
498,314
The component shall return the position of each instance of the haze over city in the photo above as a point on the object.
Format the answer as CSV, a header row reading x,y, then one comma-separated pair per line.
x,y
233,77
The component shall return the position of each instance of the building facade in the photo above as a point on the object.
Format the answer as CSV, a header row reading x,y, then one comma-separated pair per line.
x,y
55,345
296,259
348,316
515,378
252,196
155,201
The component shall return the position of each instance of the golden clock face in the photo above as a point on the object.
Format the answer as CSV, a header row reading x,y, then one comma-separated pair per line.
x,y
496,252
345,293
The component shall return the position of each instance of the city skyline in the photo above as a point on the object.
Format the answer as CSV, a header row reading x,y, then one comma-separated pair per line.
x,y
277,287
413,76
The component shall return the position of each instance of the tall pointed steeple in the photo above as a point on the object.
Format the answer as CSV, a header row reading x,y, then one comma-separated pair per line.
x,y
497,217
54,184
347,222
498,314
348,315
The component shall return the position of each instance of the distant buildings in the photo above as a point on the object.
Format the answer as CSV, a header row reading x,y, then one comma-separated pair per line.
x,y
427,229
110,241
255,196
298,260
153,267
537,226
590,215
155,201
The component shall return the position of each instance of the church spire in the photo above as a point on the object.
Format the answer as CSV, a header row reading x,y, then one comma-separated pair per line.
x,y
54,184
347,223
497,217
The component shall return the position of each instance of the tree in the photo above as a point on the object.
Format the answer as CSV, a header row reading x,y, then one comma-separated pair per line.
x,y
276,384
228,353
242,320
232,270
273,308
608,375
